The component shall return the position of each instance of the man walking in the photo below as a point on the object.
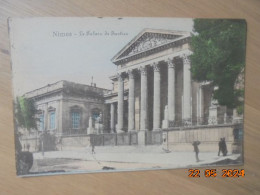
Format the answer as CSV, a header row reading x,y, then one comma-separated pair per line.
x,y
93,148
196,149
224,147
220,146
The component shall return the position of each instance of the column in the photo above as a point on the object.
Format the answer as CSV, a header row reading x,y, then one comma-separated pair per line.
x,y
201,101
131,101
186,88
46,118
112,117
57,115
201,104
60,115
197,108
157,98
144,96
171,90
120,108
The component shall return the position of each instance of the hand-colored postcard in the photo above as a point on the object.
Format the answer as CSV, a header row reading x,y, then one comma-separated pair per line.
x,y
126,94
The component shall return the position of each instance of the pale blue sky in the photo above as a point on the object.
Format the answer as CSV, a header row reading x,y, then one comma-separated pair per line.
x,y
40,58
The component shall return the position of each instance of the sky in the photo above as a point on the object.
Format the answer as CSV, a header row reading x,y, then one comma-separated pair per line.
x,y
47,50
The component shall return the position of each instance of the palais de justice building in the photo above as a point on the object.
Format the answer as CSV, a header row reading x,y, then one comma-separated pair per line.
x,y
152,90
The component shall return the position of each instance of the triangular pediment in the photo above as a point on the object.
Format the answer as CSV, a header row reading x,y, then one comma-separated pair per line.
x,y
147,40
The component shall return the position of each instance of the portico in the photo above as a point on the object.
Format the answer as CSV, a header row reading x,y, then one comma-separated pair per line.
x,y
153,82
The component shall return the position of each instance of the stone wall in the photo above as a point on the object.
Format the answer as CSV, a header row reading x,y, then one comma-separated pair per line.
x,y
73,142
114,139
181,140
174,140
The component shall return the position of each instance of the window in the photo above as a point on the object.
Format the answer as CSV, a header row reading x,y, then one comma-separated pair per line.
x,y
41,122
52,120
96,114
75,116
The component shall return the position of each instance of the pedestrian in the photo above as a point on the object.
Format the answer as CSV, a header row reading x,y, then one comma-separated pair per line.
x,y
93,149
224,147
28,147
220,147
196,149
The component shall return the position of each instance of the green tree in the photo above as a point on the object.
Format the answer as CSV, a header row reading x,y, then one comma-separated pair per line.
x,y
25,113
218,47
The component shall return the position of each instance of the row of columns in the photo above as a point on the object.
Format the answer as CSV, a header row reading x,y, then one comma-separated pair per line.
x,y
156,96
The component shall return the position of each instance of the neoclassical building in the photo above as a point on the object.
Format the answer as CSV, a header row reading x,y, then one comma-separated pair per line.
x,y
153,88
152,100
65,107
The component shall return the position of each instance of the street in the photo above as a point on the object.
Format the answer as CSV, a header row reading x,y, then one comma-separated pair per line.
x,y
120,158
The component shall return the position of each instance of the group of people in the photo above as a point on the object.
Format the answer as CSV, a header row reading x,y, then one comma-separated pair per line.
x,y
221,144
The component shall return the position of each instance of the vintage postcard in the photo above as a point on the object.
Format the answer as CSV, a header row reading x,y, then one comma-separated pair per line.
x,y
126,94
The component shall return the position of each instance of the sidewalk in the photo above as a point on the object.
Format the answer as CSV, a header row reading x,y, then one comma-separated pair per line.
x,y
136,154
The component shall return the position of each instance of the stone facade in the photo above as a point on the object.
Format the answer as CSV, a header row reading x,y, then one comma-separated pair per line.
x,y
65,107
153,91
208,136
153,73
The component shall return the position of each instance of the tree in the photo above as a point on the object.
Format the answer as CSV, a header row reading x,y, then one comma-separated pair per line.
x,y
218,47
25,113
25,117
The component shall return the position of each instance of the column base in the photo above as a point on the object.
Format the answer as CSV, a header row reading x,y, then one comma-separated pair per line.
x,y
90,131
112,131
141,137
133,130
120,131
165,146
165,124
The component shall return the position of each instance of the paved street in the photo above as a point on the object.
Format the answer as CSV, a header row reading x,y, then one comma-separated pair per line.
x,y
120,158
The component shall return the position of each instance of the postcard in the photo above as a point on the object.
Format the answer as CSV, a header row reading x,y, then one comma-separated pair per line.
x,y
126,94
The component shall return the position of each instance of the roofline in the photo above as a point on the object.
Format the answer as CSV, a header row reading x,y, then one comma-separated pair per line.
x,y
43,87
152,31
58,89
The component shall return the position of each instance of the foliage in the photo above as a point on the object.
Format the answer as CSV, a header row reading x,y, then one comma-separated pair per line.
x,y
25,113
219,56
24,162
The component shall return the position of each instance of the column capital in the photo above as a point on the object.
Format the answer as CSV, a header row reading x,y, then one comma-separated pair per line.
x,y
170,63
131,74
143,70
185,58
120,76
156,67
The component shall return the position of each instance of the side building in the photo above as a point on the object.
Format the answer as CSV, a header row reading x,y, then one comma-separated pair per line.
x,y
66,108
